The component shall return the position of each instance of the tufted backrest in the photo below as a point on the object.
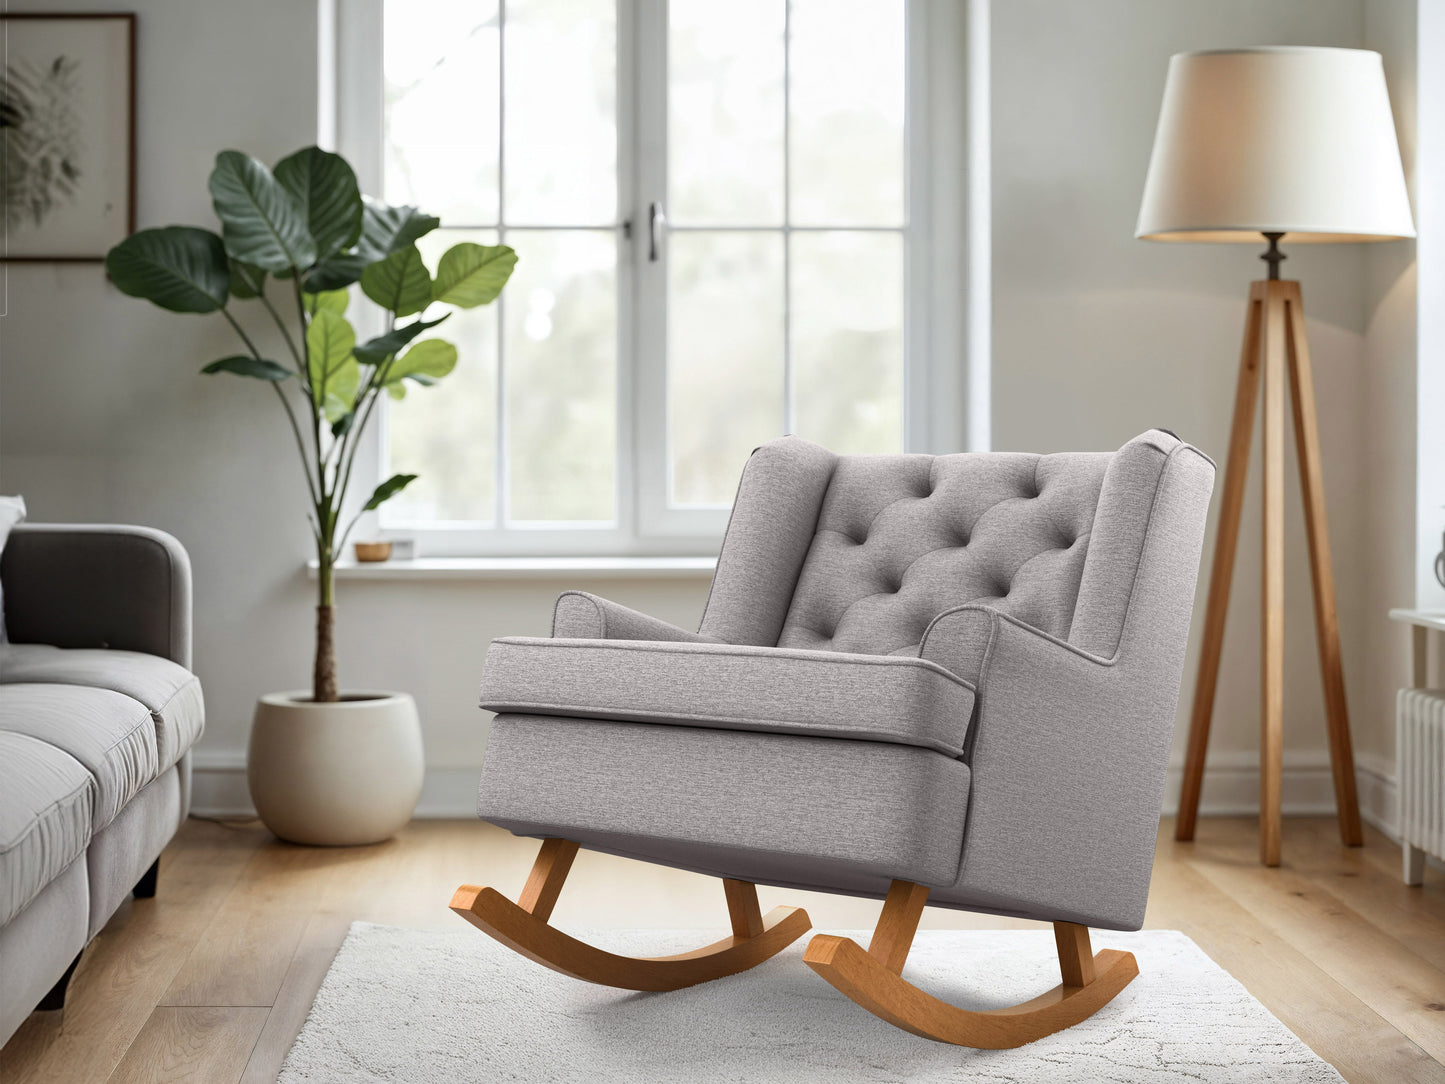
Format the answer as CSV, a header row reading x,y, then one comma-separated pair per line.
x,y
901,538
861,553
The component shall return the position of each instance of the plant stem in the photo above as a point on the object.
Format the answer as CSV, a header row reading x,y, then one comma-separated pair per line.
x,y
285,334
324,688
290,414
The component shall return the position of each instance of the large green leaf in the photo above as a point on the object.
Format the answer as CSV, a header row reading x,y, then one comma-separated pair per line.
x,y
386,229
246,365
470,275
325,189
375,351
400,282
246,281
341,388
426,362
180,268
336,272
329,340
388,489
261,222
334,300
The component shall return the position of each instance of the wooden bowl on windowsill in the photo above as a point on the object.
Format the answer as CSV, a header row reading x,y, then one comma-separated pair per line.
x,y
373,551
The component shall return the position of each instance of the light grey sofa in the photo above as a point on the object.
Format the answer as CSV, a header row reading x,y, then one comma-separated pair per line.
x,y
943,677
98,712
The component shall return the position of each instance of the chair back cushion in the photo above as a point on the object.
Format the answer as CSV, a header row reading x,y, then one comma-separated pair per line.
x,y
901,538
859,553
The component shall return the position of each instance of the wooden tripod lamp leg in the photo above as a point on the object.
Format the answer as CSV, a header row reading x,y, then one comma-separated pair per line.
x,y
1327,628
1271,714
1222,572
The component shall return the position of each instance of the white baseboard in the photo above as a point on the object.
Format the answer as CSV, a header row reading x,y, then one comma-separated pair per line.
x,y
1231,788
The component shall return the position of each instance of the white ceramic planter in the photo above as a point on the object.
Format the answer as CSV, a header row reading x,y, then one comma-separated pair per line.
x,y
335,774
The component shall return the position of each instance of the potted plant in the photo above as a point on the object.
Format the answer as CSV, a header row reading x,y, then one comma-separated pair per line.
x,y
324,766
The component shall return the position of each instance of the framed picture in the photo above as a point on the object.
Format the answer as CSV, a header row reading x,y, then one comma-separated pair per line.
x,y
67,135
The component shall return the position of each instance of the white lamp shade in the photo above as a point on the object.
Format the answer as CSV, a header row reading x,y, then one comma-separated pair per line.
x,y
1298,141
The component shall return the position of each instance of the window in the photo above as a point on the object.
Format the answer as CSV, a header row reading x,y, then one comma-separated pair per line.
x,y
717,209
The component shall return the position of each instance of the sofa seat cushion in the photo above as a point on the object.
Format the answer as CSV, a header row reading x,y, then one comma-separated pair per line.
x,y
905,701
46,810
111,735
170,692
772,808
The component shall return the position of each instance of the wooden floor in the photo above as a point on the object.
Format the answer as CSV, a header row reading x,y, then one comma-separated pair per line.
x,y
211,980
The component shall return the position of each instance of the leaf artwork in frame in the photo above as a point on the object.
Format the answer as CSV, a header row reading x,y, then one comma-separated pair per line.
x,y
67,135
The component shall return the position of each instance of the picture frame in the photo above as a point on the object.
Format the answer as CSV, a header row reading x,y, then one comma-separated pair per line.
x,y
68,138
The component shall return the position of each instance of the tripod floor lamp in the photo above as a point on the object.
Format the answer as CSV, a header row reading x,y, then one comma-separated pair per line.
x,y
1292,144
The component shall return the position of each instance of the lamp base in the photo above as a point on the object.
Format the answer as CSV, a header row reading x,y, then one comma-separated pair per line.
x,y
1274,342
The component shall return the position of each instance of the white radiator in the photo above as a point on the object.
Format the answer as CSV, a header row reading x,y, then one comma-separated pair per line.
x,y
1420,769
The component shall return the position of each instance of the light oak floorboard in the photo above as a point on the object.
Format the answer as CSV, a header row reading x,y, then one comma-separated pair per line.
x,y
212,980
200,1044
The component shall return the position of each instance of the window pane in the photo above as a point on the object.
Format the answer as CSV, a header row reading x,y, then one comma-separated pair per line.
x,y
725,112
561,103
846,103
440,155
560,342
724,358
447,434
847,337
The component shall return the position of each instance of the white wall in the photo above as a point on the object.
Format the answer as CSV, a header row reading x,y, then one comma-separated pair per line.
x,y
1096,337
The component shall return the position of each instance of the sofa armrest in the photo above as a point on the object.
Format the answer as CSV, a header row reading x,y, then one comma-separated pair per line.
x,y
582,615
98,585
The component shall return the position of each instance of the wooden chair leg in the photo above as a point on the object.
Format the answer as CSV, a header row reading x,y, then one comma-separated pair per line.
x,y
873,980
523,927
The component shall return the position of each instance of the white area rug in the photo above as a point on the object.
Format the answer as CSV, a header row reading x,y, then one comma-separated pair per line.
x,y
453,1007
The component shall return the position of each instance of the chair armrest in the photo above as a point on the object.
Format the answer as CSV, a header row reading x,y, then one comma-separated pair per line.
x,y
582,615
1069,755
98,585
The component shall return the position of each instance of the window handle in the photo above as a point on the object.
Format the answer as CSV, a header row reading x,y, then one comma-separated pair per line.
x,y
656,222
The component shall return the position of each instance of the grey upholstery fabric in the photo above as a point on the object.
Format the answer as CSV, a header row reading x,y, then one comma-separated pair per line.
x,y
809,804
1070,749
96,585
170,692
37,945
95,728
902,538
581,615
774,517
863,697
112,735
46,809
1059,586
1126,504
125,848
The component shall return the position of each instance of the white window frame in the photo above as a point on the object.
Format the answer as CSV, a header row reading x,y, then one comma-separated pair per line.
x,y
941,366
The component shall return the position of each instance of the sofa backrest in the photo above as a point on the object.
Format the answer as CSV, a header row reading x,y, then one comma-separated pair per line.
x,y
861,553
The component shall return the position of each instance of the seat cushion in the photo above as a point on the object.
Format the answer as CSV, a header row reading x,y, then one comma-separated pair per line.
x,y
772,808
46,810
170,692
111,735
905,701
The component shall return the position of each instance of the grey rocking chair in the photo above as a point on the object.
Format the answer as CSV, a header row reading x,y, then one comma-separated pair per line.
x,y
943,679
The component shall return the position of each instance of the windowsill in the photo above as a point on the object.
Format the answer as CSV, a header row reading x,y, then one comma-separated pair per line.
x,y
525,568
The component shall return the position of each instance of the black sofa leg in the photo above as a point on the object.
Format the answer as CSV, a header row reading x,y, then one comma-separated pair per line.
x,y
145,888
56,998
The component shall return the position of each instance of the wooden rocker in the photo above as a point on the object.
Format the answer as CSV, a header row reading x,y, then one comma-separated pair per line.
x,y
523,927
942,679
874,980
